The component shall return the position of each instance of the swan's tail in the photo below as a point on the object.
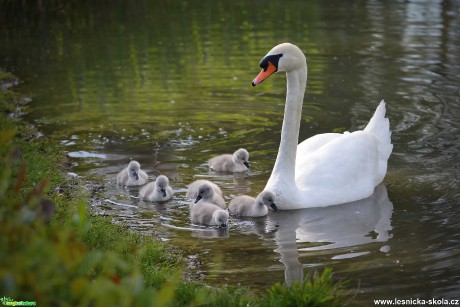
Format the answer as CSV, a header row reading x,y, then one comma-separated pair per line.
x,y
379,126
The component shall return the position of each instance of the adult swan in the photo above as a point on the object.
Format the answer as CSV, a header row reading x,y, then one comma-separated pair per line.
x,y
326,169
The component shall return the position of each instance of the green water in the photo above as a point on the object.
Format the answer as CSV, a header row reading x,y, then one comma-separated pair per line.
x,y
168,83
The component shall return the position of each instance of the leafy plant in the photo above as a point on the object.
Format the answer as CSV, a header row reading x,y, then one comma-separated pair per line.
x,y
54,252
316,290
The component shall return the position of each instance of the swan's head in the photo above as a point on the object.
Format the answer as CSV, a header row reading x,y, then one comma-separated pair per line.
x,y
220,218
133,169
242,156
267,198
162,183
283,57
205,191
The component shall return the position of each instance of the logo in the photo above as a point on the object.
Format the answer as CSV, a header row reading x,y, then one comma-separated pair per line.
x,y
7,301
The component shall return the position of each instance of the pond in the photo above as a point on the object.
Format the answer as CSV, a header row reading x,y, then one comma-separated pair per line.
x,y
168,83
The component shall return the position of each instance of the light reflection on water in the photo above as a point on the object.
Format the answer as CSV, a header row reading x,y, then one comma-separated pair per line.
x,y
171,92
334,232
333,229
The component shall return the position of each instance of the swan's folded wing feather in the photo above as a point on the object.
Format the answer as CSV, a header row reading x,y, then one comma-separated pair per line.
x,y
345,166
312,144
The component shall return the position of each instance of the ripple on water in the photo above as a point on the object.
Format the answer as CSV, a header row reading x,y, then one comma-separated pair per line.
x,y
85,154
142,103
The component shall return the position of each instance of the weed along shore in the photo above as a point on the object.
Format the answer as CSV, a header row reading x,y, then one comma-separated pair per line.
x,y
55,252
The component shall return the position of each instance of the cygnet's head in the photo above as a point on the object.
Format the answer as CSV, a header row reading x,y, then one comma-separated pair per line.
x,y
220,218
283,57
162,183
133,169
205,191
267,198
241,156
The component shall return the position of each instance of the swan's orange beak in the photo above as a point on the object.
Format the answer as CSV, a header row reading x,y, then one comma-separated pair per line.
x,y
264,74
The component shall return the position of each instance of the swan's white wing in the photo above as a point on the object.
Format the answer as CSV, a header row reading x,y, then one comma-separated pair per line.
x,y
343,168
312,144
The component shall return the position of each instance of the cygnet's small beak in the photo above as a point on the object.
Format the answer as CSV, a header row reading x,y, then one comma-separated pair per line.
x,y
274,207
136,175
198,198
163,192
246,163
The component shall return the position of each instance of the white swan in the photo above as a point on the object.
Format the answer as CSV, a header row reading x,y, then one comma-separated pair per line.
x,y
132,175
244,205
235,163
326,169
159,190
206,213
207,190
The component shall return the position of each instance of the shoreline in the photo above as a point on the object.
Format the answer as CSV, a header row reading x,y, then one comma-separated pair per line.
x,y
60,253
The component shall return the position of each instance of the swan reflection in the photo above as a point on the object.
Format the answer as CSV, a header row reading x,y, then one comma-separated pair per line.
x,y
320,229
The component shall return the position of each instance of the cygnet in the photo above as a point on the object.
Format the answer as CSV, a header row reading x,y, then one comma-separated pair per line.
x,y
207,191
205,213
159,190
132,175
236,163
249,206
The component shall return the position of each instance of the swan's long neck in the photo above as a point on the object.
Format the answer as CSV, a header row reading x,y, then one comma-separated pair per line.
x,y
284,168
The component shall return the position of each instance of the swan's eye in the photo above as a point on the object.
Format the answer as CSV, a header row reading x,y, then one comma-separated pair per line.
x,y
264,66
273,59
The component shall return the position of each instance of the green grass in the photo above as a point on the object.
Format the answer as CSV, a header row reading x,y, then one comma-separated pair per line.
x,y
73,258
317,290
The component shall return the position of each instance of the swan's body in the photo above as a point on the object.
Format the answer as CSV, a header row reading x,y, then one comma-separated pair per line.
x,y
159,190
206,213
207,191
244,205
236,163
326,169
132,175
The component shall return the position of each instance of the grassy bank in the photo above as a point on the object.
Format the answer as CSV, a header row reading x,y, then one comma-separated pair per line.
x,y
54,252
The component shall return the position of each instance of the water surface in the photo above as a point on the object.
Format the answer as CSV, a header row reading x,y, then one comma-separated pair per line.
x,y
169,85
